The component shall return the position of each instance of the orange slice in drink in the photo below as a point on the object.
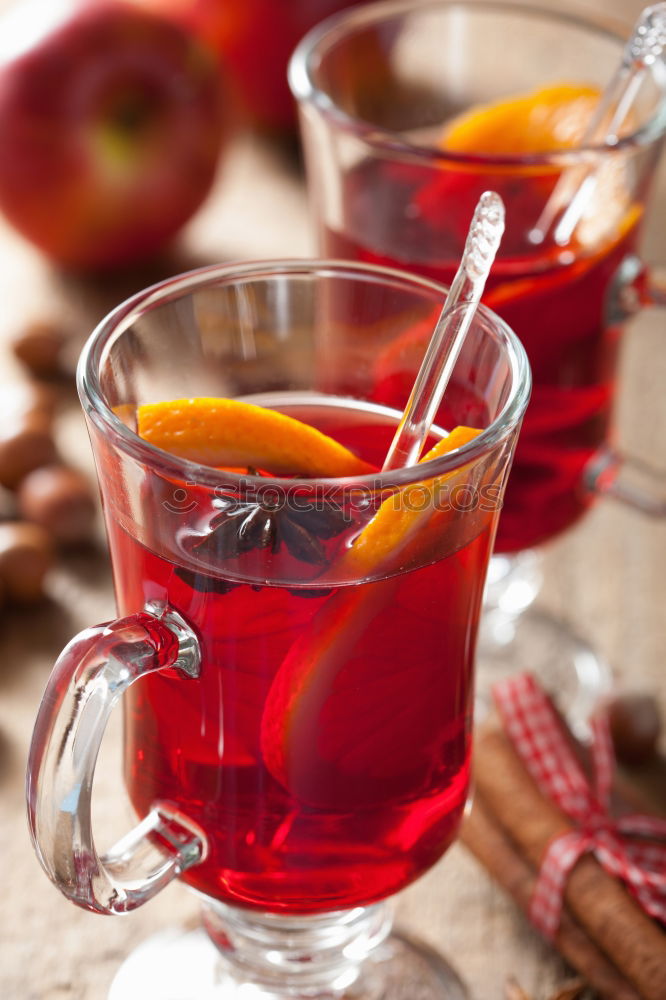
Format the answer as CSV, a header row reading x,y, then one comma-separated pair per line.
x,y
397,525
229,433
299,724
551,118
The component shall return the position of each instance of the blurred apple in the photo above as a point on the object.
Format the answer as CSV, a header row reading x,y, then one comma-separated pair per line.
x,y
112,121
254,40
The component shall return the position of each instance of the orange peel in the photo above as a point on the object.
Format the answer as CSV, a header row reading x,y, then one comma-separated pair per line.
x,y
544,120
230,433
385,540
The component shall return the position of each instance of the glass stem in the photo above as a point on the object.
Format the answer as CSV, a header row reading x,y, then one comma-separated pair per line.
x,y
317,957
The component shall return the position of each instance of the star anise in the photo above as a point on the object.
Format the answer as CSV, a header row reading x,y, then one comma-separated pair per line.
x,y
265,524
203,583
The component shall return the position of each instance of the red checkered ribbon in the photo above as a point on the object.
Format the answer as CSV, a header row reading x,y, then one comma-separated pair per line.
x,y
627,847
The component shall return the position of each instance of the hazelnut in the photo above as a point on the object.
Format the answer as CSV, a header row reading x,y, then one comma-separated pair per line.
x,y
26,555
634,726
39,346
60,500
8,510
20,400
26,443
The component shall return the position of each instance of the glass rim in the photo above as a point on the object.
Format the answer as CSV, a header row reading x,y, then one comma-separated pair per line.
x,y
337,26
122,437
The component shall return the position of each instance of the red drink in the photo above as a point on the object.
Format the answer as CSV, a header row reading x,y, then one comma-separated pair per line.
x,y
558,302
379,794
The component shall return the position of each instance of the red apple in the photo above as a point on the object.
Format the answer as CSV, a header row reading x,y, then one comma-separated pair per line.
x,y
112,121
254,40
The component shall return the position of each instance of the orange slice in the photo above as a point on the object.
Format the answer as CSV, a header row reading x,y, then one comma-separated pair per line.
x,y
383,543
292,721
230,433
547,119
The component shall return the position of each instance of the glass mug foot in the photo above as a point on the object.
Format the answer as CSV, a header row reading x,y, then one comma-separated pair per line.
x,y
346,956
513,582
565,664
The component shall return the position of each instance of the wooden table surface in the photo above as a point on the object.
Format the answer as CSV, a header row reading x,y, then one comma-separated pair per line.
x,y
607,577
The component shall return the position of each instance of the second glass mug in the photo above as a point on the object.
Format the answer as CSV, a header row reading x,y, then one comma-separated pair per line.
x,y
375,87
297,732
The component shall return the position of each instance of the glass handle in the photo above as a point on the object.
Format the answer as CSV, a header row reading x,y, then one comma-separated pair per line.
x,y
610,473
628,480
89,677
636,286
653,292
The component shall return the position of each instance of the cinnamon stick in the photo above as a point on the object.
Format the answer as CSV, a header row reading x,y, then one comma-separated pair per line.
x,y
490,844
599,902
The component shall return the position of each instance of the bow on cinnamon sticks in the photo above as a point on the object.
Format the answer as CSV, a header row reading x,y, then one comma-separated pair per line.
x,y
545,833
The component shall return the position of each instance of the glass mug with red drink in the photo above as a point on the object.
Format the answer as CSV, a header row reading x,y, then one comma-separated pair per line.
x,y
295,656
409,110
